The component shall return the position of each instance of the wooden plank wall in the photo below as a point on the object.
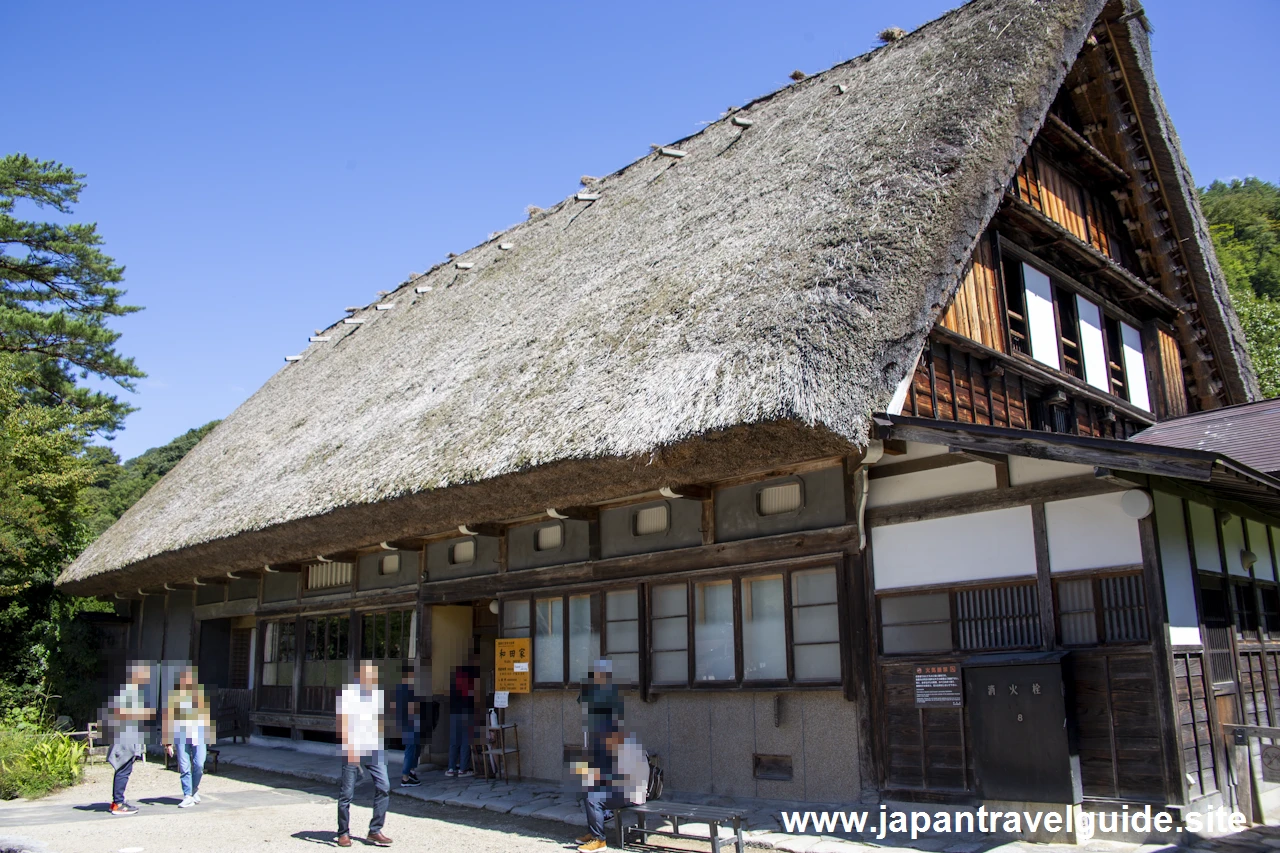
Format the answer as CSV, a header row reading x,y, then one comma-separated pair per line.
x,y
951,385
1114,695
1115,698
1175,388
1198,757
976,310
1080,210
924,749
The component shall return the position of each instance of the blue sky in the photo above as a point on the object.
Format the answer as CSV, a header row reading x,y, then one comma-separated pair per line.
x,y
259,166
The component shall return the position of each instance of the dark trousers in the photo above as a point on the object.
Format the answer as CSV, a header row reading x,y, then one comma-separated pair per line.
x,y
381,795
120,781
460,742
410,738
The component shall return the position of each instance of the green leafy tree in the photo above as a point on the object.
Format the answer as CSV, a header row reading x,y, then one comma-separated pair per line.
x,y
57,293
1244,222
117,487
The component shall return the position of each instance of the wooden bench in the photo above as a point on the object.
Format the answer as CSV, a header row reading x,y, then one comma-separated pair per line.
x,y
713,816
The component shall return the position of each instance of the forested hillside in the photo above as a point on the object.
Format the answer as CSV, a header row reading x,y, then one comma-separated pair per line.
x,y
1244,219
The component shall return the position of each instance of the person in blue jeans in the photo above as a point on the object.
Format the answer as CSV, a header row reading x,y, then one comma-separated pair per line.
x,y
360,726
409,719
189,728
462,712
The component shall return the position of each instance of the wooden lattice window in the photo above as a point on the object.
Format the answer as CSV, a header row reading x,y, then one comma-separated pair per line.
x,y
1001,617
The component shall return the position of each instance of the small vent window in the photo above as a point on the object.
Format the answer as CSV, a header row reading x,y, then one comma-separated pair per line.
x,y
328,575
548,538
1076,618
389,564
777,500
462,552
654,519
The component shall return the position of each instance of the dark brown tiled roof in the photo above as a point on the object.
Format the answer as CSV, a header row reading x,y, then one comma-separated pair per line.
x,y
1248,433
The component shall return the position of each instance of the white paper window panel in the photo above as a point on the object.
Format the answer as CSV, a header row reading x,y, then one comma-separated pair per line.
x,y
1233,544
976,546
775,500
548,538
1040,322
1204,532
1258,544
938,483
1091,533
654,519
325,575
1185,635
1091,346
1135,367
462,552
1025,469
1175,562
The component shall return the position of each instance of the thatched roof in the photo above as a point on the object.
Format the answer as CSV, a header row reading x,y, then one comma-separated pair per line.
x,y
752,300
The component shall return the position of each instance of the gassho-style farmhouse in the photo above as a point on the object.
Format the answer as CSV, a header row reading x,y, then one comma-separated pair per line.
x,y
872,432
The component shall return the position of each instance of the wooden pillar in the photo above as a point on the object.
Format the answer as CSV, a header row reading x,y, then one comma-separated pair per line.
x,y
1175,780
1044,579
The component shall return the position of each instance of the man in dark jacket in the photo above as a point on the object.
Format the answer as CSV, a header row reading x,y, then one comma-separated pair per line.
x,y
409,707
462,712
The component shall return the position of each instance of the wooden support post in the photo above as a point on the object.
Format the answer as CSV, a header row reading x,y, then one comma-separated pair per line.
x,y
1044,580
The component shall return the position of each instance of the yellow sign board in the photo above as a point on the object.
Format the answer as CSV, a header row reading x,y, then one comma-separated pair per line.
x,y
512,660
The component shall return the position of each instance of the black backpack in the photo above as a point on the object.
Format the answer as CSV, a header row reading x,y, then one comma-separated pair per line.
x,y
655,778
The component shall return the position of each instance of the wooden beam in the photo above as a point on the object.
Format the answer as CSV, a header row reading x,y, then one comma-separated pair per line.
x,y
718,555
990,499
1125,456
915,466
979,456
895,447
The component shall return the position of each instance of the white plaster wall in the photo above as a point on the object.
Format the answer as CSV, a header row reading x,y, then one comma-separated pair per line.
x,y
1175,564
1091,533
938,483
977,546
1263,569
1024,469
1233,544
1205,533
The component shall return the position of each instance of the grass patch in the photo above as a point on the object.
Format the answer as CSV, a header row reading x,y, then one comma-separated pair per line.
x,y
35,763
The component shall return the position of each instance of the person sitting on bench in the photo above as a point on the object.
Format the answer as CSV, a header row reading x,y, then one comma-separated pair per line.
x,y
614,771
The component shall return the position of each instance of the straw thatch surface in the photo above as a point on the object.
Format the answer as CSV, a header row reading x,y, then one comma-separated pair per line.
x,y
782,275
1233,362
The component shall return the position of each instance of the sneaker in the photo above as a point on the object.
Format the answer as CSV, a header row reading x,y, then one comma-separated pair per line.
x,y
187,802
409,783
467,773
451,772
592,845
196,797
122,809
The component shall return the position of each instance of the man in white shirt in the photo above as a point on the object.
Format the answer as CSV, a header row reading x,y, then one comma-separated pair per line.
x,y
360,725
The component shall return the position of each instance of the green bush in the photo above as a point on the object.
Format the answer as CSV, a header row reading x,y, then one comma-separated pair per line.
x,y
35,763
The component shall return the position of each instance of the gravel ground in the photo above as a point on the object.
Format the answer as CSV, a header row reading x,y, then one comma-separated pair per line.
x,y
245,810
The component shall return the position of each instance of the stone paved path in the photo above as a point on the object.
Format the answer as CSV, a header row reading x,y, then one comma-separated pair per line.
x,y
267,799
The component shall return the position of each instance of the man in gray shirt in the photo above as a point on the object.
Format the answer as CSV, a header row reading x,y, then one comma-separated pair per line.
x,y
127,711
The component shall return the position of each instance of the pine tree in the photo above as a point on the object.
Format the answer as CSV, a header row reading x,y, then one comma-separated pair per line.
x,y
57,294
